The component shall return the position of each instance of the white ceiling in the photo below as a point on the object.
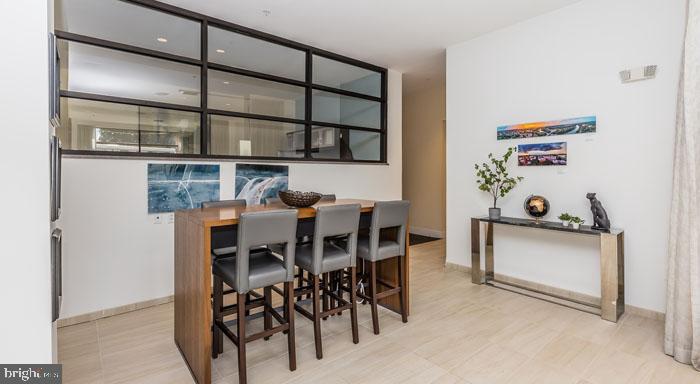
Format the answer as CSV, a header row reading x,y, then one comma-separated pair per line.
x,y
407,35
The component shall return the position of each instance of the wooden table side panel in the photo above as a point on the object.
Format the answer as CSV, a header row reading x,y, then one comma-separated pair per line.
x,y
192,296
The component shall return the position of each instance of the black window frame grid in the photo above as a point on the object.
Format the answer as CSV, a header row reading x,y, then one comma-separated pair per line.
x,y
204,111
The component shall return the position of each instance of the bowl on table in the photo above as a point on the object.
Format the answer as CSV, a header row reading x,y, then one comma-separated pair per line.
x,y
299,199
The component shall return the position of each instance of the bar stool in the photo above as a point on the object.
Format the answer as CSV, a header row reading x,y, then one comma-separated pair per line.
x,y
322,257
377,247
307,238
225,243
244,273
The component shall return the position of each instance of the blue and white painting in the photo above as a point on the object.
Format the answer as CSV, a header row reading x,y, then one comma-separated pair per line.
x,y
257,182
181,186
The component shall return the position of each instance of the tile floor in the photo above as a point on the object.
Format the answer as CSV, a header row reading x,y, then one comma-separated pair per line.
x,y
458,333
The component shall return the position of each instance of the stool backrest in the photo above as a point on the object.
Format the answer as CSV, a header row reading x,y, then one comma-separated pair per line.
x,y
333,221
224,203
262,228
389,214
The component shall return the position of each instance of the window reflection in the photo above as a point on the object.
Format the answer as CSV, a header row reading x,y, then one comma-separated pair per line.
x,y
100,126
235,136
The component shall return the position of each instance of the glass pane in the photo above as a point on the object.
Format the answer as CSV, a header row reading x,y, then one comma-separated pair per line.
x,y
241,51
238,93
335,74
127,23
169,131
100,126
91,69
345,144
338,109
236,136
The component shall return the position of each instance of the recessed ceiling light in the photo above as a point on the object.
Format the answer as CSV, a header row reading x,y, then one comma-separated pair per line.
x,y
227,82
162,39
228,104
220,51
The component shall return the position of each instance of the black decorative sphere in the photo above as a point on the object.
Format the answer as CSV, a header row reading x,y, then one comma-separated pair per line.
x,y
536,206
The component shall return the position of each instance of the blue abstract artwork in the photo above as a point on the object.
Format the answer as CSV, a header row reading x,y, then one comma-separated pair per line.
x,y
181,186
257,182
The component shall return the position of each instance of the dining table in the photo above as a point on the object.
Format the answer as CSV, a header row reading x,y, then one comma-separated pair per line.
x,y
197,231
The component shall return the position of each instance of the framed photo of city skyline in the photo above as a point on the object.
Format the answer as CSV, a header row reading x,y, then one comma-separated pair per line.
x,y
547,128
542,154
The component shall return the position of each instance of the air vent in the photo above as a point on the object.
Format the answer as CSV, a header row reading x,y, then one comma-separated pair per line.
x,y
638,74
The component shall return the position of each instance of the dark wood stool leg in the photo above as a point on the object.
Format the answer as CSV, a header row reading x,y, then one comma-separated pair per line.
x,y
308,277
325,296
317,317
242,377
353,301
289,317
403,303
267,291
337,282
218,339
247,300
373,295
331,288
300,282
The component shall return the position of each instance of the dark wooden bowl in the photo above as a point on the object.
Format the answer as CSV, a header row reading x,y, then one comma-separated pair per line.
x,y
299,199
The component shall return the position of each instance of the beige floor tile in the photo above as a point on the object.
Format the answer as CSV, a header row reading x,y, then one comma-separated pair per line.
x,y
536,372
570,353
492,365
613,367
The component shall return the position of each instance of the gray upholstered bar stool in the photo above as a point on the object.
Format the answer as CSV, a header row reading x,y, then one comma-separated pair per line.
x,y
379,245
322,257
244,273
223,244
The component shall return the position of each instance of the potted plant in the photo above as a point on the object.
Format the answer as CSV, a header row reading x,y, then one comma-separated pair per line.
x,y
577,221
565,219
494,179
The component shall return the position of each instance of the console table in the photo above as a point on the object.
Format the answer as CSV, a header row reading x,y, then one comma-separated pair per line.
x,y
612,264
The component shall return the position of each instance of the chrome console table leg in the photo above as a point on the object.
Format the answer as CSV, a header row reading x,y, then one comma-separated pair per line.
x,y
612,276
489,275
476,251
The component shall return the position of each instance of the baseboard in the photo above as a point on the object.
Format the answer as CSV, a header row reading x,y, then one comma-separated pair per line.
x,y
629,309
427,232
92,316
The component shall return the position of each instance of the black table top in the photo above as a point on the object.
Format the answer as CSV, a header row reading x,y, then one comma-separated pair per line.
x,y
548,225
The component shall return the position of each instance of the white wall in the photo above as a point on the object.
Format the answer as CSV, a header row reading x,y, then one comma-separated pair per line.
x,y
559,65
113,253
25,293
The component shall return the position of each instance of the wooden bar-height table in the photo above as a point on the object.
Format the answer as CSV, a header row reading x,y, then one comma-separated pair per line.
x,y
193,283
612,264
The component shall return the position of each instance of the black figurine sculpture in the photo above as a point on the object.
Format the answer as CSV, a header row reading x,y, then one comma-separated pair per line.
x,y
600,217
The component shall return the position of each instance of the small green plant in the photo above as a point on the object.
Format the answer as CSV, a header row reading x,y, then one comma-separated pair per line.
x,y
577,220
565,217
494,178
